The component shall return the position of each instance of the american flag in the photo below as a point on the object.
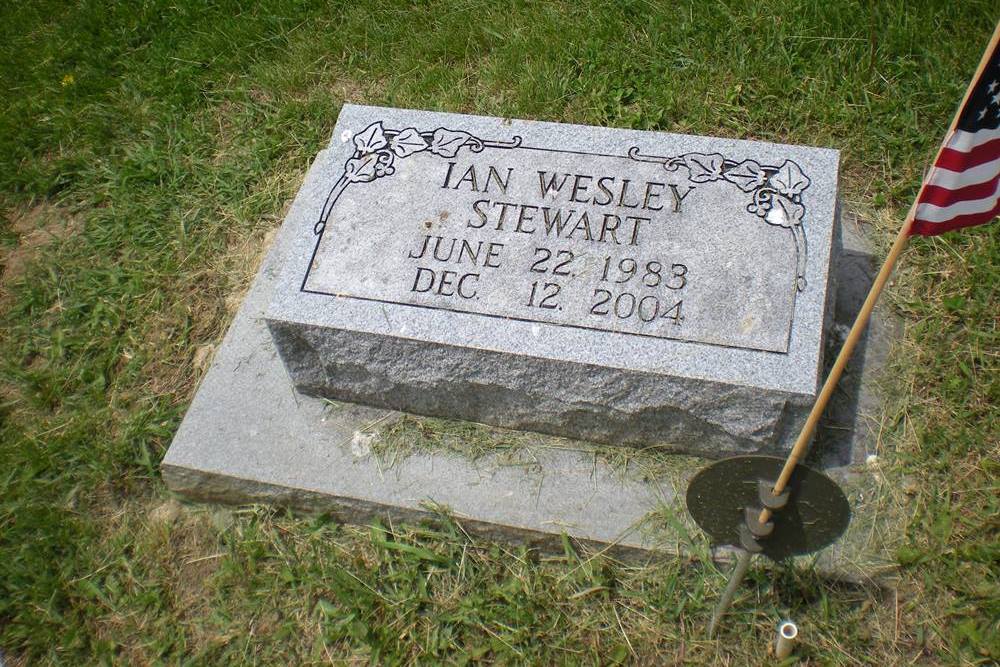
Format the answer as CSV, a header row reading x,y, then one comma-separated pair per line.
x,y
963,186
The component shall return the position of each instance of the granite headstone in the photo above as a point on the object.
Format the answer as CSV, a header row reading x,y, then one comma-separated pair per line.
x,y
625,287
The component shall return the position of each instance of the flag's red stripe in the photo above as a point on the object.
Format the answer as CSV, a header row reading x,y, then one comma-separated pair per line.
x,y
954,160
939,196
925,228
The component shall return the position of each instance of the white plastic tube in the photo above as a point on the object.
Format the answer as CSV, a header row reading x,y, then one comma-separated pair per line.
x,y
783,645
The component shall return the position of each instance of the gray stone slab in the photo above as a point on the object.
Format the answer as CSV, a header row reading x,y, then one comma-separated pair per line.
x,y
248,436
624,287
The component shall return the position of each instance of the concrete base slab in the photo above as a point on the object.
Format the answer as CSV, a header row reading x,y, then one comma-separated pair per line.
x,y
249,437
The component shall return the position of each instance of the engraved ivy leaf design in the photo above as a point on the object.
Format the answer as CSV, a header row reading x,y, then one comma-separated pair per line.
x,y
776,191
369,166
784,212
789,180
446,142
407,143
704,167
376,150
371,138
747,176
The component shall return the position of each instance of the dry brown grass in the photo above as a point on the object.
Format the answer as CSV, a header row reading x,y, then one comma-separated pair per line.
x,y
37,228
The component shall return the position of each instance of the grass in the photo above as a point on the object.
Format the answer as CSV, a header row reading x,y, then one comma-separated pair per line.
x,y
397,435
146,150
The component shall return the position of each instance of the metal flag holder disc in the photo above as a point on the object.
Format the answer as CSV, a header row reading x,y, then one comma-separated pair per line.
x,y
726,500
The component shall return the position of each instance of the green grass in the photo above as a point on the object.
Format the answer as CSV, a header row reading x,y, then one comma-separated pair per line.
x,y
146,149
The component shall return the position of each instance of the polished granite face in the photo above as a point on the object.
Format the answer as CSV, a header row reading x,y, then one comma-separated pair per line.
x,y
619,286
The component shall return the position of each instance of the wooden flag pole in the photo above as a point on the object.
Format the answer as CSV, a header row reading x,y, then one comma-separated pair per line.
x,y
861,321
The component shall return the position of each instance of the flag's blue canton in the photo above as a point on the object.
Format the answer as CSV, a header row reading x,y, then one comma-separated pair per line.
x,y
982,111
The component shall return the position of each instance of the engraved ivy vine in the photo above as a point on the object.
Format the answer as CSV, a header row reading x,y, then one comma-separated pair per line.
x,y
776,191
376,150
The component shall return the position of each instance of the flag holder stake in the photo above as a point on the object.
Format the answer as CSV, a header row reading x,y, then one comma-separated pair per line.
x,y
801,445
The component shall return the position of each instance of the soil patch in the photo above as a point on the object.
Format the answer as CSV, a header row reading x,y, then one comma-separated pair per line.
x,y
36,228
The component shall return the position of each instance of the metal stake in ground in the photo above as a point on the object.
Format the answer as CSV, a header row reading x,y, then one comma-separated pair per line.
x,y
726,600
726,498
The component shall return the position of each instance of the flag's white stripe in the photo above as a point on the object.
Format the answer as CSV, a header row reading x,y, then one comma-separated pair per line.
x,y
932,213
966,141
953,180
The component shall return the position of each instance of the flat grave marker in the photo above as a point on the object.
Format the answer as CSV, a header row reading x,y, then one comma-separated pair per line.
x,y
625,287
359,331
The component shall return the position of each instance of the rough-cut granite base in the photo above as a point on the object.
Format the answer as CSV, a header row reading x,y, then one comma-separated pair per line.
x,y
604,405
